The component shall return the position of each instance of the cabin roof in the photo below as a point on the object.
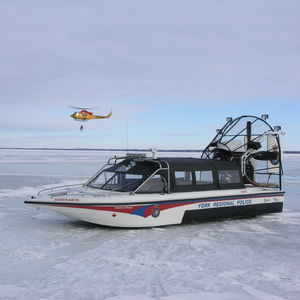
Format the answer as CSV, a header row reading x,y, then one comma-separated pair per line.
x,y
196,163
148,166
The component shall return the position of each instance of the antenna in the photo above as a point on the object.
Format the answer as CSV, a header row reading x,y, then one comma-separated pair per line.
x,y
126,136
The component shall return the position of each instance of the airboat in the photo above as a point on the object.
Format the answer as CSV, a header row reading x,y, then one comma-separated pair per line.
x,y
238,175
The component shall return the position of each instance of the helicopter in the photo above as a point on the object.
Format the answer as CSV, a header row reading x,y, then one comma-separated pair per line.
x,y
86,115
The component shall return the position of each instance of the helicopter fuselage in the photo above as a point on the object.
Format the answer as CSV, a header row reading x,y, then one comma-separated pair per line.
x,y
85,116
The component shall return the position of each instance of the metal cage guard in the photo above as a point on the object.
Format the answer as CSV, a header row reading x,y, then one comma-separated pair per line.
x,y
253,144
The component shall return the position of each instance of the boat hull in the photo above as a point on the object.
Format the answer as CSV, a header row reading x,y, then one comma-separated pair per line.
x,y
231,212
166,211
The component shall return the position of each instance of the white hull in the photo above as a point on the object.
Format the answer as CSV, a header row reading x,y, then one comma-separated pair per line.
x,y
150,210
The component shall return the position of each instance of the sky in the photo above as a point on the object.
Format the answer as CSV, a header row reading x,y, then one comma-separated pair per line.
x,y
171,70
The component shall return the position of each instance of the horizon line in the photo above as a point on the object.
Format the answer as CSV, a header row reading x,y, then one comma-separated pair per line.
x,y
119,149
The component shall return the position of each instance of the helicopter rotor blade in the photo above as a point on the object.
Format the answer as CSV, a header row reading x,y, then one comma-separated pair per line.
x,y
76,107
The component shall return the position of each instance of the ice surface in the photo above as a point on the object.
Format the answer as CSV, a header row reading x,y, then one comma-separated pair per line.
x,y
45,255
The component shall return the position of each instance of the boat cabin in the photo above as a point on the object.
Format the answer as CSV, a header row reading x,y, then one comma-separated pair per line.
x,y
167,175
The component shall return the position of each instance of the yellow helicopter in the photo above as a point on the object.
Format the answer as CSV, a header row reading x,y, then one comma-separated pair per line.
x,y
85,115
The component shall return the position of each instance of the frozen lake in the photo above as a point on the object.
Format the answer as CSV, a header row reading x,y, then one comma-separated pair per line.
x,y
48,256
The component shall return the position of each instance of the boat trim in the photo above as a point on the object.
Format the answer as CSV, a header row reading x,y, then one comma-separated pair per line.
x,y
206,199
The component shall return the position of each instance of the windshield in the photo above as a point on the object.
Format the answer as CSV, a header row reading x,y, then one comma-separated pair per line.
x,y
117,181
128,176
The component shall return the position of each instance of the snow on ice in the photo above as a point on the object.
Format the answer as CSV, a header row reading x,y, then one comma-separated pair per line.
x,y
49,256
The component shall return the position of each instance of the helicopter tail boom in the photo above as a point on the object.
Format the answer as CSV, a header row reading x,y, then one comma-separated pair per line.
x,y
103,117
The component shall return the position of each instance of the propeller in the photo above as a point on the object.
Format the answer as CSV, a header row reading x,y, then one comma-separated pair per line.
x,y
70,106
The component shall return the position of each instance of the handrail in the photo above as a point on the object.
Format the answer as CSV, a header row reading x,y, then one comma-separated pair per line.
x,y
169,176
59,187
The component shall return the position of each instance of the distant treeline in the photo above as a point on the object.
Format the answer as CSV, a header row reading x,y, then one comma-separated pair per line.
x,y
123,150
100,149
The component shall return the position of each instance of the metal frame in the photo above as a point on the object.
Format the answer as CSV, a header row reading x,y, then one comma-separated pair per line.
x,y
155,172
58,187
256,137
161,168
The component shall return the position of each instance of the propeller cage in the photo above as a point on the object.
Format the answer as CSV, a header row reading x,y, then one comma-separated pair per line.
x,y
253,144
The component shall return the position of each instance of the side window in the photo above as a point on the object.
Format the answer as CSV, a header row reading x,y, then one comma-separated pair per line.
x,y
133,176
157,184
204,177
229,176
183,177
